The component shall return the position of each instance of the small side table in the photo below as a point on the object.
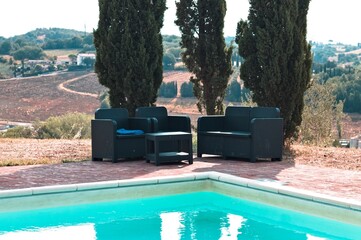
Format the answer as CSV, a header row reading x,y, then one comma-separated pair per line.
x,y
154,140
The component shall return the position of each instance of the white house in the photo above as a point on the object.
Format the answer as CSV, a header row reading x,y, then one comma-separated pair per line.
x,y
80,58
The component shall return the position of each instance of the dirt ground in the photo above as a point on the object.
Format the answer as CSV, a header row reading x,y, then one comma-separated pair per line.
x,y
26,100
33,151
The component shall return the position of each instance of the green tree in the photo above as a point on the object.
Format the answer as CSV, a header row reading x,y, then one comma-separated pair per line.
x,y
168,61
129,51
175,51
88,39
29,52
234,92
277,57
168,90
322,115
55,44
205,53
348,89
75,42
89,62
38,69
186,90
5,47
73,58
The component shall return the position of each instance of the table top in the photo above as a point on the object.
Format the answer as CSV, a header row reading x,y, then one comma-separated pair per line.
x,y
161,134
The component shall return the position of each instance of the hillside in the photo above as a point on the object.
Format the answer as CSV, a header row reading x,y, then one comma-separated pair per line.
x,y
37,98
40,35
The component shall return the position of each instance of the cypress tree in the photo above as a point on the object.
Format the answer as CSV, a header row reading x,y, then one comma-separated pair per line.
x,y
205,53
277,58
129,51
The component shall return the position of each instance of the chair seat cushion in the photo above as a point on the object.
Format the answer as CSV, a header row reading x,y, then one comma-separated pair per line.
x,y
123,131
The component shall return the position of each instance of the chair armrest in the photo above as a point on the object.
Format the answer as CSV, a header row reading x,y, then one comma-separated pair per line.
x,y
103,139
154,124
179,123
103,131
267,129
144,124
210,123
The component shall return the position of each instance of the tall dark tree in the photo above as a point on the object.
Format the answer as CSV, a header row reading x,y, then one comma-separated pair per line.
x,y
129,51
278,60
205,53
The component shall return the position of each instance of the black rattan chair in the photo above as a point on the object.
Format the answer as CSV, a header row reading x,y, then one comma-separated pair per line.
x,y
116,135
243,132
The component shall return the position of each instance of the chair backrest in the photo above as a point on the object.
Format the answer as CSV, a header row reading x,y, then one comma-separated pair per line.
x,y
237,118
264,112
120,115
160,113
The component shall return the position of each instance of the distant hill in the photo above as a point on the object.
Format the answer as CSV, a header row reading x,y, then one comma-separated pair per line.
x,y
47,39
41,35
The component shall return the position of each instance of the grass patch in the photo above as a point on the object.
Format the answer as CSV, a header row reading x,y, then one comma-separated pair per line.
x,y
41,161
68,126
73,160
194,142
61,52
18,132
22,162
5,71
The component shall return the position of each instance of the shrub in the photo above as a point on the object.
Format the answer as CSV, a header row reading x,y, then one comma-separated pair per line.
x,y
187,90
321,116
18,132
168,61
233,92
104,100
68,126
5,71
76,68
168,90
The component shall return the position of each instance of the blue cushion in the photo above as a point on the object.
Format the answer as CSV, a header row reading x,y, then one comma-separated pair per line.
x,y
123,131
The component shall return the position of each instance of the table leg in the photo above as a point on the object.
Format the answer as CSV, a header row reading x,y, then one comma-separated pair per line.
x,y
147,149
190,153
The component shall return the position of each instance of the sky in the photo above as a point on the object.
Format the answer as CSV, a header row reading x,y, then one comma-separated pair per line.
x,y
336,20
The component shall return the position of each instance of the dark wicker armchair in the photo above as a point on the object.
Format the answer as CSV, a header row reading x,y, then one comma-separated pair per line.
x,y
109,142
243,132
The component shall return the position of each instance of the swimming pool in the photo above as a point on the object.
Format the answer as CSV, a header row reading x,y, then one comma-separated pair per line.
x,y
197,206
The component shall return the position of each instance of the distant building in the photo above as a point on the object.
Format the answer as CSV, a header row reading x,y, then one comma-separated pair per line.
x,y
63,60
38,62
80,58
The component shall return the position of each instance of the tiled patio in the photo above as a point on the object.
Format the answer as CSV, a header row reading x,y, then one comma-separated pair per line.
x,y
332,182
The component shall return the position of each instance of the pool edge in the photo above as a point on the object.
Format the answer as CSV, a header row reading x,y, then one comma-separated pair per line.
x,y
249,185
215,176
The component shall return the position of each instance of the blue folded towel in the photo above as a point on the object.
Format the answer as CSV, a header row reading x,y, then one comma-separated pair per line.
x,y
123,131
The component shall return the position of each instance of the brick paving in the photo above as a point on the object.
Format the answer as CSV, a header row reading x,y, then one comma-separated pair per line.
x,y
329,181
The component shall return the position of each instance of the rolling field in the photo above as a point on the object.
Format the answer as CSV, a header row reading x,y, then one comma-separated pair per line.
x,y
37,98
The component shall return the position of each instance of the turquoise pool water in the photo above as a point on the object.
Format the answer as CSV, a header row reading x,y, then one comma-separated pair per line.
x,y
201,215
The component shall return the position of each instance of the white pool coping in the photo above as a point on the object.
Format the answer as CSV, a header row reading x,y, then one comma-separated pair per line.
x,y
267,192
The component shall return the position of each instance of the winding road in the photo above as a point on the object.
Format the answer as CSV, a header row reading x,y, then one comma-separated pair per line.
x,y
62,86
